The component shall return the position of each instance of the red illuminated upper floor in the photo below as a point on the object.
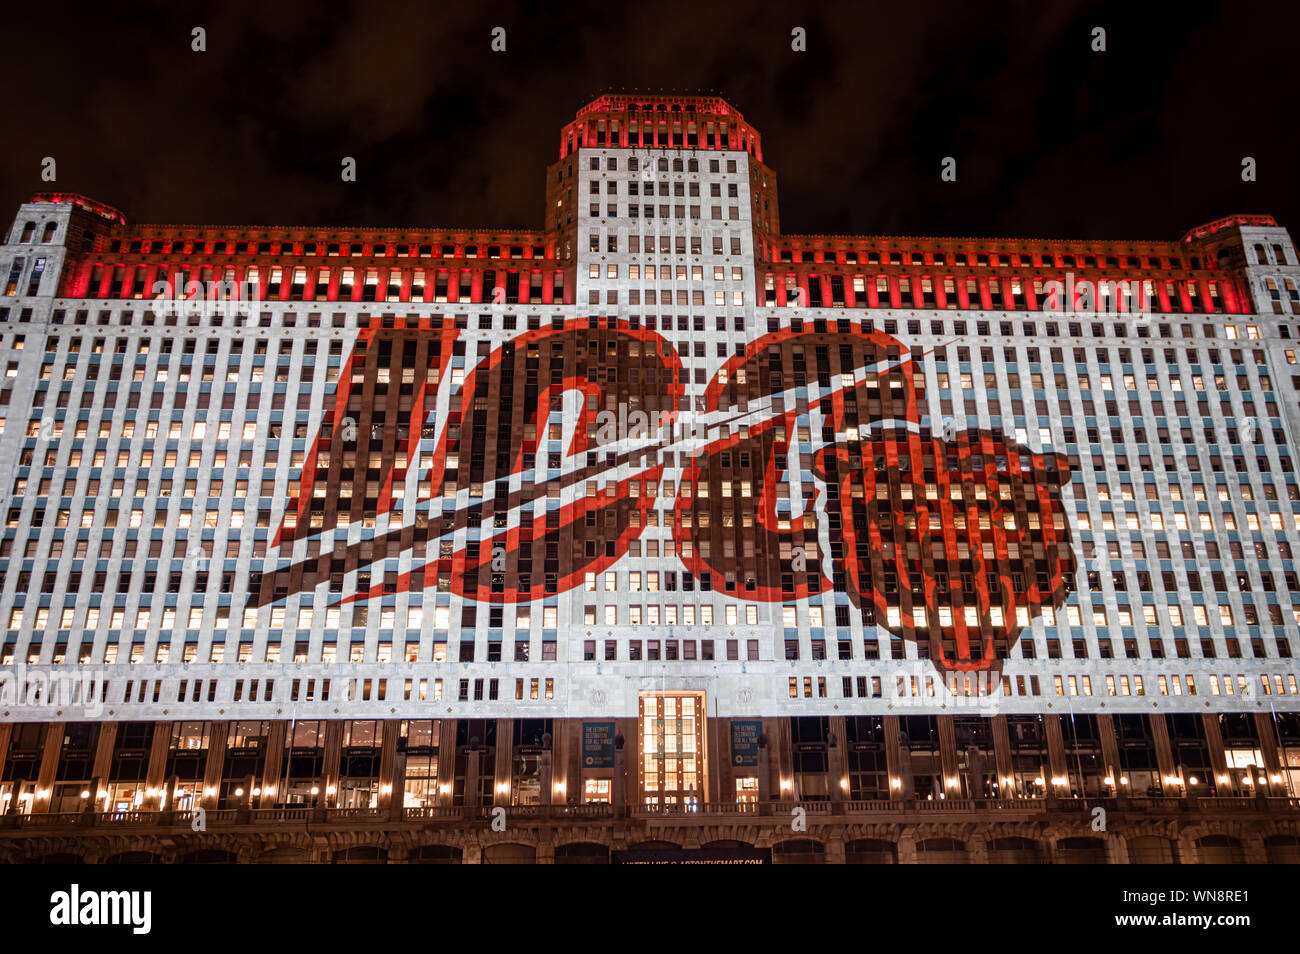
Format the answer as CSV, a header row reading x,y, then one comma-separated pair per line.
x,y
113,258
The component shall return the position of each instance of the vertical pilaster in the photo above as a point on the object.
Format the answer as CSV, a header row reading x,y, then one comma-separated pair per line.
x,y
1268,749
838,761
717,760
501,771
1164,755
1218,757
6,733
1109,750
103,759
158,749
473,771
572,735
388,764
894,760
333,754
724,760
1002,756
631,766
781,758
446,762
1056,757
948,756
50,752
270,781
215,766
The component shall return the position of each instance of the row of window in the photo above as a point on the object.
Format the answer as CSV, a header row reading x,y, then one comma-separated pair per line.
x,y
682,297
640,187
916,687
638,649
1025,259
1046,294
660,134
1121,619
666,210
665,273
251,690
665,245
14,284
240,314
672,614
27,233
650,164
242,247
1151,646
250,284
134,653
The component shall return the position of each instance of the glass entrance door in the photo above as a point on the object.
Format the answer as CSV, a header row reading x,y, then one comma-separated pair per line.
x,y
672,748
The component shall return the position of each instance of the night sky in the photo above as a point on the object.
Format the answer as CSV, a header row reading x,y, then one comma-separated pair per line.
x,y
1051,139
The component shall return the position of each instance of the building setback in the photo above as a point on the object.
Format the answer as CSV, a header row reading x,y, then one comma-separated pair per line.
x,y
652,527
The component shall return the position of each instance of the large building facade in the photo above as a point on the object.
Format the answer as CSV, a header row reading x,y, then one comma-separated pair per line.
x,y
656,527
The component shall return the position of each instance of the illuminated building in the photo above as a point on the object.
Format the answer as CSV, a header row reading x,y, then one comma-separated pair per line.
x,y
649,526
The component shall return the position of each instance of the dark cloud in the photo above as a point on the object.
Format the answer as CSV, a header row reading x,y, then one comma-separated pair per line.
x,y
1051,139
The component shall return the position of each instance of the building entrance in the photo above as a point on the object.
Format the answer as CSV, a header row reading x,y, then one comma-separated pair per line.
x,y
672,748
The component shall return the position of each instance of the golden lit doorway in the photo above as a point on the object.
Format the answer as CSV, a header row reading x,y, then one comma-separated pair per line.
x,y
672,748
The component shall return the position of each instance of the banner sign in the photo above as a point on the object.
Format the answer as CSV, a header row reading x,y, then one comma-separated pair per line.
x,y
744,742
598,745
